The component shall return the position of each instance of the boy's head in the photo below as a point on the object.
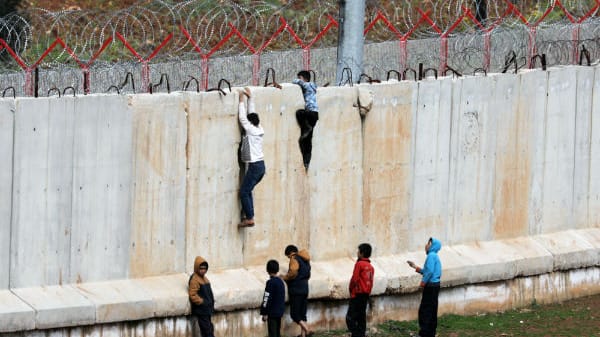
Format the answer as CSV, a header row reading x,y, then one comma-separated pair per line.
x,y
200,266
364,249
203,268
272,267
253,118
304,75
290,249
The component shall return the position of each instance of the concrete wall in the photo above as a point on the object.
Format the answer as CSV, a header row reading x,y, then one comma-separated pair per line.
x,y
100,193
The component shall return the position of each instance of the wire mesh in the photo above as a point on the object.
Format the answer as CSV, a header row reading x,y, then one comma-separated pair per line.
x,y
205,41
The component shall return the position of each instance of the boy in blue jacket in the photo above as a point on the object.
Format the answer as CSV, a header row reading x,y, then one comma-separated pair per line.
x,y
307,118
273,304
430,283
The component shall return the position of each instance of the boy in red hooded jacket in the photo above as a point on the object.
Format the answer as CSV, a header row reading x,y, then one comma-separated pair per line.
x,y
360,288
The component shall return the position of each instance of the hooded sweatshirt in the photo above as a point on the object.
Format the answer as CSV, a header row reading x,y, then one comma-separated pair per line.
x,y
252,142
432,269
200,291
298,273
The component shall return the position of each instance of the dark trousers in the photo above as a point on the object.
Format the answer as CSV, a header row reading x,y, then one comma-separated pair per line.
x,y
428,310
307,120
356,318
298,307
253,176
206,327
274,326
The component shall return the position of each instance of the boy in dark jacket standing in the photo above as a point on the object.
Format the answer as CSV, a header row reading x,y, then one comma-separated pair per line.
x,y
297,281
430,283
273,304
201,297
360,288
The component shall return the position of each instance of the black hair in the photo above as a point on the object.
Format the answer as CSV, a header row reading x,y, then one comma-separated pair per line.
x,y
253,118
272,267
305,74
290,249
203,264
365,250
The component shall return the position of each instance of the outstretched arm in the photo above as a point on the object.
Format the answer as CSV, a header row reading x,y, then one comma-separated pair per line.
x,y
301,83
242,114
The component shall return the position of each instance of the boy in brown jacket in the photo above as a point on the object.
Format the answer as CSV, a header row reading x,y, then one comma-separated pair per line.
x,y
297,280
201,297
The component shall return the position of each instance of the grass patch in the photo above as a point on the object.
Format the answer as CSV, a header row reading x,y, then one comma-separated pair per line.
x,y
579,317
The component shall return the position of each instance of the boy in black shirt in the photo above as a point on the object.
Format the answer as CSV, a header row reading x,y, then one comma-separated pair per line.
x,y
273,304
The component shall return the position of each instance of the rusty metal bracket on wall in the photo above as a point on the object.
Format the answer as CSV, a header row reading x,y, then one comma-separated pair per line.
x,y
54,89
542,59
69,87
398,75
186,84
163,78
13,91
584,53
348,72
369,79
454,72
274,83
219,89
510,59
414,72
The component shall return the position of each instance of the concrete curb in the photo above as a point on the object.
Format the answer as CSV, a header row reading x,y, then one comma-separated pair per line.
x,y
240,289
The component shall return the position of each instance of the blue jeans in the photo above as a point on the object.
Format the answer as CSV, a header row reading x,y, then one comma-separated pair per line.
x,y
254,174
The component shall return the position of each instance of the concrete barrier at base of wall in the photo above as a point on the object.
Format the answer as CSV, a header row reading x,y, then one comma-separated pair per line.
x,y
474,266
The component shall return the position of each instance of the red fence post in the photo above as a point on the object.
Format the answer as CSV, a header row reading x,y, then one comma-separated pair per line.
x,y
306,58
306,55
145,62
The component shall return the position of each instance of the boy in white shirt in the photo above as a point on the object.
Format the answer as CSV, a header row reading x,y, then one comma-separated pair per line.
x,y
252,155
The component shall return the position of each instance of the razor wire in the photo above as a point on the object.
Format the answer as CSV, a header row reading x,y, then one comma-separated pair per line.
x,y
203,41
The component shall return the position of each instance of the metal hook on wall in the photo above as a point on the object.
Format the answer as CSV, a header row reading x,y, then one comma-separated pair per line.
x,y
65,90
114,87
274,83
54,89
414,72
428,70
511,58
398,75
369,79
128,77
348,72
219,89
454,72
480,70
13,92
163,78
542,59
584,53
186,84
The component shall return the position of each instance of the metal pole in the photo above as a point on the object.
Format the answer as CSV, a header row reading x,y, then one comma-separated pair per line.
x,y
350,39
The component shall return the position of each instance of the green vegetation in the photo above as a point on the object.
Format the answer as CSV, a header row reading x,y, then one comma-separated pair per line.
x,y
576,318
